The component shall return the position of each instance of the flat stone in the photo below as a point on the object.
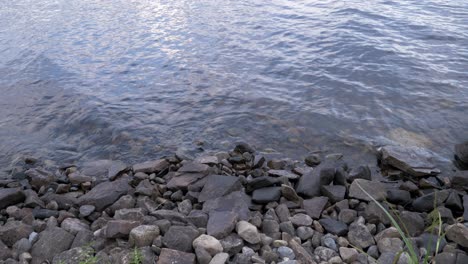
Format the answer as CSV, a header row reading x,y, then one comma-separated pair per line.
x,y
282,211
208,160
375,189
170,256
50,243
32,199
412,160
333,226
105,194
237,202
194,167
40,213
335,193
388,244
219,185
315,206
221,223
153,166
283,173
38,178
10,196
458,233
248,232
170,215
180,238
266,195
309,184
131,214
208,243
119,228
261,182
86,210
183,181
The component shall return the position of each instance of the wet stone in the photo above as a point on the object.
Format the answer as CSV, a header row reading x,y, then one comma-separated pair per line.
x,y
266,195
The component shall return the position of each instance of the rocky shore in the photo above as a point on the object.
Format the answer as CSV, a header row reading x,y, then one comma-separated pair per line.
x,y
235,207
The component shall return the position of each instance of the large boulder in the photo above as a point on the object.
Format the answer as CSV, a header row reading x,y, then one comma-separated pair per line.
x,y
412,160
105,194
10,196
219,185
51,242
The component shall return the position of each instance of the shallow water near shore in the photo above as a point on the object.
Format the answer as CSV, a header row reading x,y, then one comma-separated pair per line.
x,y
138,79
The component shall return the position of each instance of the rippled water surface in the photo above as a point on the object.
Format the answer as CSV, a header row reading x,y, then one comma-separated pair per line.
x,y
136,79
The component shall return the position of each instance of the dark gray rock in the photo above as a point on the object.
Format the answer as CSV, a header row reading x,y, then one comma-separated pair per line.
x,y
301,253
412,160
375,215
335,193
170,256
282,211
460,180
219,185
261,182
232,244
375,189
266,195
40,213
5,252
102,169
32,199
333,226
426,202
119,228
82,238
221,223
430,241
198,218
412,222
105,194
446,258
315,206
151,166
237,202
242,147
10,196
347,216
13,231
170,215
465,205
283,173
38,178
312,160
359,236
454,202
458,233
399,196
73,256
180,238
289,193
361,172
183,181
51,242
461,153
309,184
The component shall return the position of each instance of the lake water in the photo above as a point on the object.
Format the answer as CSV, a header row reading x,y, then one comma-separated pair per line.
x,y
135,80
